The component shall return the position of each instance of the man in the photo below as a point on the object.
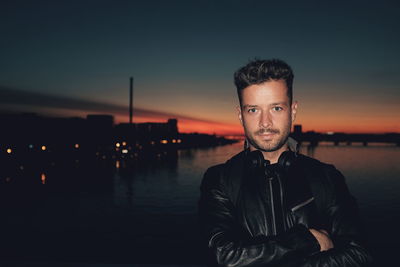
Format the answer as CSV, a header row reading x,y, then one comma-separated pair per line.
x,y
270,205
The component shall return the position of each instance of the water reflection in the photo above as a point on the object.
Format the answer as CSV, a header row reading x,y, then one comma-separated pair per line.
x,y
310,151
43,178
118,210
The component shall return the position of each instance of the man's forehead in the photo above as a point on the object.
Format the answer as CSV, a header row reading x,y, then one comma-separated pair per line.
x,y
255,105
266,93
265,104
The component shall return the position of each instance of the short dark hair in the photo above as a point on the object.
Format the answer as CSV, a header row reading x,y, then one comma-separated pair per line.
x,y
260,71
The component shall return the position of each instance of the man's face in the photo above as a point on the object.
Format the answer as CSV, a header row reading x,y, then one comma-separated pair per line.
x,y
267,115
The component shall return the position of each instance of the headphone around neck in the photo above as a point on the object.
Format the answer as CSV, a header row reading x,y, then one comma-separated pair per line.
x,y
255,160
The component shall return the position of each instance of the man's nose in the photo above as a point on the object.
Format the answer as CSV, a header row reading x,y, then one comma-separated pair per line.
x,y
265,120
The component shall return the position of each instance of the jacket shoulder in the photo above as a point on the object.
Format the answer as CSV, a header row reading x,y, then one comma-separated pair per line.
x,y
311,162
319,169
226,177
326,182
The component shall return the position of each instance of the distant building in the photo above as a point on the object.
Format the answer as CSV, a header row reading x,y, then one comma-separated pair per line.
x,y
99,130
147,132
297,129
104,121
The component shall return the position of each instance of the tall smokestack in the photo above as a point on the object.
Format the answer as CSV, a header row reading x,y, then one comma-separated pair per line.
x,y
131,100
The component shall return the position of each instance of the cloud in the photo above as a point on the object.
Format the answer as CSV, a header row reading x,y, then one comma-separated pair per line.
x,y
17,99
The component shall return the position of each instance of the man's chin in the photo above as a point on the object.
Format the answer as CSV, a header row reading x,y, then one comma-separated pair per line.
x,y
268,145
269,149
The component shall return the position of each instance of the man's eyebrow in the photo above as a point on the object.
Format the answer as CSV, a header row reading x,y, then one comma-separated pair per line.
x,y
278,103
250,106
284,103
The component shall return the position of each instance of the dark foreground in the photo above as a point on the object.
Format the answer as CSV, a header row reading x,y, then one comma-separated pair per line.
x,y
144,213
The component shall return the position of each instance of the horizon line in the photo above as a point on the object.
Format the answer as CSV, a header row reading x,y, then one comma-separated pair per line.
x,y
227,134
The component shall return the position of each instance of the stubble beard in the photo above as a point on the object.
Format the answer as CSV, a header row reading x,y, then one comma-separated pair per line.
x,y
275,144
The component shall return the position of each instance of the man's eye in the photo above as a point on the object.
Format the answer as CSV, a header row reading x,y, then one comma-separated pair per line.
x,y
252,110
277,108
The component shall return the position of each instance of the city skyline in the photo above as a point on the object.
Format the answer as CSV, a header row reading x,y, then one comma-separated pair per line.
x,y
73,59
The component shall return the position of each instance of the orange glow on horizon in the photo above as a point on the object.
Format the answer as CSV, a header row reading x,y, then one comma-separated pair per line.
x,y
317,124
349,125
192,125
314,121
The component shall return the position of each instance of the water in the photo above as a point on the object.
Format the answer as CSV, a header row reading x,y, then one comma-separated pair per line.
x,y
146,212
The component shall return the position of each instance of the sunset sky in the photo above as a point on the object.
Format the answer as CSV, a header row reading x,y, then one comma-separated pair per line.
x,y
73,58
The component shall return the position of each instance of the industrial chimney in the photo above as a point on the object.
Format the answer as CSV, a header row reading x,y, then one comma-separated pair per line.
x,y
131,100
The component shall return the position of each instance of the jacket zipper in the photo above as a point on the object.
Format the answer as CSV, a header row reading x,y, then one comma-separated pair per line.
x,y
302,204
272,206
281,206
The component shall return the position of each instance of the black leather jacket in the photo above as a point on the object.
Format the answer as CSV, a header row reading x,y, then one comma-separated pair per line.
x,y
248,219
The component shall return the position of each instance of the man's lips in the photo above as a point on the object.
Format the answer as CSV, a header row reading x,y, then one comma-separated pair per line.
x,y
266,132
266,135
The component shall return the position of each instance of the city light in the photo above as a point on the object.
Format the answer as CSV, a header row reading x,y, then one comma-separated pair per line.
x,y
9,150
124,143
124,151
117,144
173,141
30,146
117,164
43,178
179,141
164,141
76,146
44,148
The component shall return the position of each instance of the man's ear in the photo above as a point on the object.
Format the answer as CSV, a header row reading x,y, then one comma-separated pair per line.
x,y
294,110
239,110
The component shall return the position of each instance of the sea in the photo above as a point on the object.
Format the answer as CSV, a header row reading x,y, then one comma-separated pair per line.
x,y
145,212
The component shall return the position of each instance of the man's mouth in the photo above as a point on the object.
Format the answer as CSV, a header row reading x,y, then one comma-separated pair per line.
x,y
266,136
267,132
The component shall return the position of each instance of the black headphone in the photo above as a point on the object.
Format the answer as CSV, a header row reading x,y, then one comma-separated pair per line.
x,y
255,160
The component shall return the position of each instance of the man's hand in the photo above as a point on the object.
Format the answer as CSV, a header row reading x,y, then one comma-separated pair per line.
x,y
323,239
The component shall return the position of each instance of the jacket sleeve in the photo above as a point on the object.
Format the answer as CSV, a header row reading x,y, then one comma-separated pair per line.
x,y
230,245
344,227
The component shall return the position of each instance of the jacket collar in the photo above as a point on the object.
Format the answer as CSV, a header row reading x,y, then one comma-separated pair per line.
x,y
293,145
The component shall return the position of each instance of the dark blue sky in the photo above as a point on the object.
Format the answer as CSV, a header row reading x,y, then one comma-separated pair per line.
x,y
345,55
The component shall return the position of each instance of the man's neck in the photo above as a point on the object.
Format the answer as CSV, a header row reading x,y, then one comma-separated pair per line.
x,y
273,156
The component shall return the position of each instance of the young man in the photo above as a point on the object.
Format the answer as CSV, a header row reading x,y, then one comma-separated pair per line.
x,y
270,205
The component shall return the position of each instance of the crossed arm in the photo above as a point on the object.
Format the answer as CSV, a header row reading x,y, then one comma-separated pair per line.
x,y
230,245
